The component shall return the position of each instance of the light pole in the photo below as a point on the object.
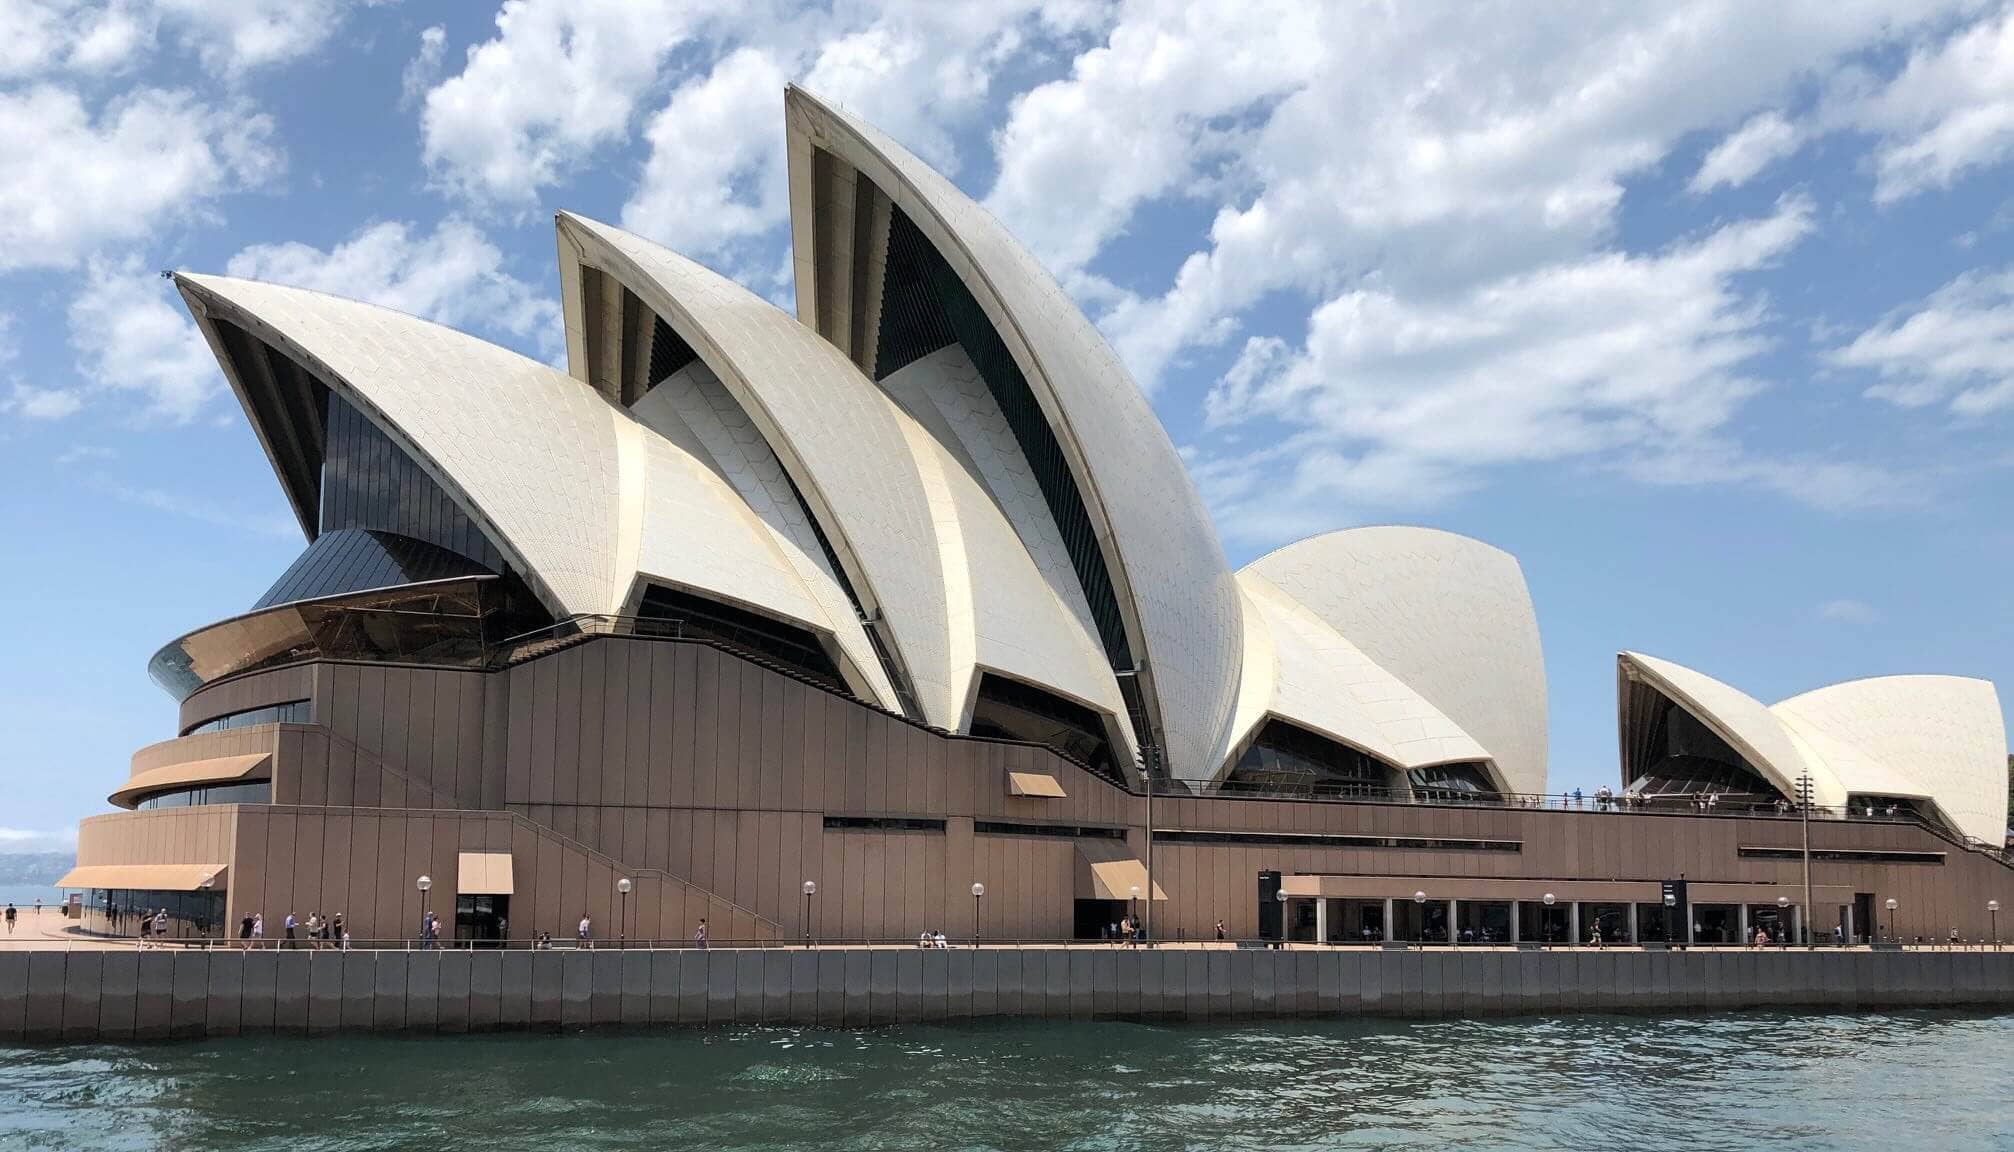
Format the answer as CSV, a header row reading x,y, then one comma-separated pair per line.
x,y
810,890
1548,915
1133,913
425,885
1782,924
1993,912
203,925
622,888
1804,812
1280,898
1420,902
978,890
1891,920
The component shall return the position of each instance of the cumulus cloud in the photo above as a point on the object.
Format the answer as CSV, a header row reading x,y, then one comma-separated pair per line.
x,y
1948,112
1846,611
1745,152
716,168
425,66
72,181
453,275
33,403
1396,399
560,78
235,37
1955,348
96,36
134,342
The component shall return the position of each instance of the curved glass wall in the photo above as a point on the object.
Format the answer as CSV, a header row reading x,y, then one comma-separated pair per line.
x,y
1286,759
244,792
1673,758
670,612
292,712
447,623
1451,782
362,559
1009,709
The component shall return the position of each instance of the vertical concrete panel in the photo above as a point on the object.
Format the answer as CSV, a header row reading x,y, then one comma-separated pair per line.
x,y
83,982
1152,978
1252,992
119,983
909,986
14,996
664,976
605,986
1104,982
1342,975
720,971
388,992
748,986
1475,973
833,1009
514,988
547,992
857,990
633,1006
985,982
774,1007
1308,982
1079,982
325,992
423,990
1007,982
485,981
1411,970
225,994
576,988
154,1004
1218,983
692,970
360,989
191,981
45,992
804,987
958,983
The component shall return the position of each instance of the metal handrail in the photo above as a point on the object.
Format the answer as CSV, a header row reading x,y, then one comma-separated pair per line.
x,y
223,944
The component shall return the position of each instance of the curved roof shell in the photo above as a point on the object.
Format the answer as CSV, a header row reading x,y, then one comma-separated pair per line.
x,y
1180,605
924,544
1447,617
556,475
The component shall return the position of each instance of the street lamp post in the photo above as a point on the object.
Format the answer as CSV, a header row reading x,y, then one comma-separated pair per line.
x,y
1549,898
622,888
1133,912
1782,928
978,890
1891,920
1420,902
1993,912
810,890
1280,898
425,885
1804,813
203,922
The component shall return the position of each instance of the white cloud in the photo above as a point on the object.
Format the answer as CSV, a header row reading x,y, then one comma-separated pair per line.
x,y
32,840
1400,400
716,168
41,403
229,38
453,276
1950,110
195,507
1764,140
560,78
72,182
131,335
42,36
239,35
425,66
1846,611
1955,347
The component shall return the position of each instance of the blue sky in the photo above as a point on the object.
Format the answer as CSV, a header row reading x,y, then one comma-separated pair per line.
x,y
1705,314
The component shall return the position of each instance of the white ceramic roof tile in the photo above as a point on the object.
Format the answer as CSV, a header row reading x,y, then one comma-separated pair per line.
x,y
1936,736
529,453
1164,555
808,401
1447,617
741,479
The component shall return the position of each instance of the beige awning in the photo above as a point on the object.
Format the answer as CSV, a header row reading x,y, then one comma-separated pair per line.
x,y
484,874
1033,784
1108,870
220,770
144,877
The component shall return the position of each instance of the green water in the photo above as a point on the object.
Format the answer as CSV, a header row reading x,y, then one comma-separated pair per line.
x,y
1907,1080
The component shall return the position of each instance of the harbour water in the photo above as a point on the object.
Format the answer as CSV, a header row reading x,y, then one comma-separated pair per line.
x,y
1734,1081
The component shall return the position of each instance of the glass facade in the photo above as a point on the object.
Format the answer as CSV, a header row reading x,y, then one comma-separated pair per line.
x,y
1012,710
190,914
1451,783
292,712
1677,760
670,612
1286,759
361,560
242,792
369,482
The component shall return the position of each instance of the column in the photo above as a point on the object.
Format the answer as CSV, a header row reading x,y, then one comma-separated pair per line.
x,y
1743,935
1691,937
1848,909
1517,907
1321,919
1388,919
1796,924
1454,933
1573,922
1633,939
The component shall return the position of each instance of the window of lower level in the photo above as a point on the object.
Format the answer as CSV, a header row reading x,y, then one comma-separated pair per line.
x,y
292,712
249,792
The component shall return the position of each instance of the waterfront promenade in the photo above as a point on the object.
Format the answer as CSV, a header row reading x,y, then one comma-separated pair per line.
x,y
89,993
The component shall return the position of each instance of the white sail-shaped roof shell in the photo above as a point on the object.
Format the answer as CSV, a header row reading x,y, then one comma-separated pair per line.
x,y
924,544
1744,723
577,493
1180,605
1447,617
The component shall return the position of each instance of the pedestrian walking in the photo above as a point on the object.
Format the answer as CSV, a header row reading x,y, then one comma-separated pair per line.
x,y
585,932
314,929
1220,929
258,926
699,937
10,918
161,925
289,925
245,930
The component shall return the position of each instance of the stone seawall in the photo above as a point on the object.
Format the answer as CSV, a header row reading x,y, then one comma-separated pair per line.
x,y
81,996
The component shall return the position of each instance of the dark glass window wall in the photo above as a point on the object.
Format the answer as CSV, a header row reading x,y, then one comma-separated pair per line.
x,y
292,712
248,792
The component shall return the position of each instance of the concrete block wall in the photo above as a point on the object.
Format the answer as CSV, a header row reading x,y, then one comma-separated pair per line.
x,y
85,996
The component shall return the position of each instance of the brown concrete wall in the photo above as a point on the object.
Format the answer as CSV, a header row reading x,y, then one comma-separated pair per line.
x,y
85,996
681,759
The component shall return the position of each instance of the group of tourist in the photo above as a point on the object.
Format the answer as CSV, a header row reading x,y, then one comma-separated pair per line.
x,y
320,933
930,939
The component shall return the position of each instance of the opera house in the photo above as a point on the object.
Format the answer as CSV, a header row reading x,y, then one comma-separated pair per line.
x,y
902,613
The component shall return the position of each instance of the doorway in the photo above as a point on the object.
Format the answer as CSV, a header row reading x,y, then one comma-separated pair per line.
x,y
1098,919
483,919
